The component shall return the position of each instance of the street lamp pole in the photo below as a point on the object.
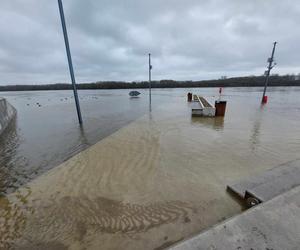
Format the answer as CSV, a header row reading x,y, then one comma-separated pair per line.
x,y
150,68
270,66
63,24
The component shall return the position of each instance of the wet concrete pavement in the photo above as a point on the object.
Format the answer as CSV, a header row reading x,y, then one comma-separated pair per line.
x,y
271,225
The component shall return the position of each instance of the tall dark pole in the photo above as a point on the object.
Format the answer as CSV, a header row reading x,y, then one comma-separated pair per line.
x,y
63,24
150,68
270,66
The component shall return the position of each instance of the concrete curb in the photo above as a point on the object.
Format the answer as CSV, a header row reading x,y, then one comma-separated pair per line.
x,y
7,114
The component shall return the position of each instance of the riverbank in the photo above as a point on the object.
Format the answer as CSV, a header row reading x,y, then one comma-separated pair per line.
x,y
249,81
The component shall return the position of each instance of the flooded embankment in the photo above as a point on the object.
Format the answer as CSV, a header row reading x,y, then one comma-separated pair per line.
x,y
7,114
156,181
46,131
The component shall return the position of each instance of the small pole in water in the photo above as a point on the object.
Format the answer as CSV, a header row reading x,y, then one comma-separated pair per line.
x,y
220,93
270,66
150,68
64,28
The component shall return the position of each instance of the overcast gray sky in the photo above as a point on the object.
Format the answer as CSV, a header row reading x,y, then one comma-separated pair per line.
x,y
110,40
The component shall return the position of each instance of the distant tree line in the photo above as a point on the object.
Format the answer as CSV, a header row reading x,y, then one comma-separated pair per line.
x,y
248,81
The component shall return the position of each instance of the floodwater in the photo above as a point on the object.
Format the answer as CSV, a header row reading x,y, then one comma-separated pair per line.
x,y
47,133
154,179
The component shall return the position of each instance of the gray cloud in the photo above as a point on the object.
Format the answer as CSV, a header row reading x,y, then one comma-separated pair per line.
x,y
110,40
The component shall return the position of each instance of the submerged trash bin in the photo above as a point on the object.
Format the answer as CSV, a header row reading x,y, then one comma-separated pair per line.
x,y
189,97
220,108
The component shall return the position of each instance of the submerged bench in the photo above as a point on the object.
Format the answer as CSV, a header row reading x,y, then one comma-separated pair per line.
x,y
265,186
271,225
203,107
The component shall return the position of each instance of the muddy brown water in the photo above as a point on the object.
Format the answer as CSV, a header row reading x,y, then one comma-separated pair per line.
x,y
156,180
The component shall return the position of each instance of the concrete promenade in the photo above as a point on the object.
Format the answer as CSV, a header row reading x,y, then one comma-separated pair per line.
x,y
271,225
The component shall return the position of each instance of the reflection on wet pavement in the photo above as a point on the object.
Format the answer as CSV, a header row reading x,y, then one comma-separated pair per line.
x,y
12,165
216,123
